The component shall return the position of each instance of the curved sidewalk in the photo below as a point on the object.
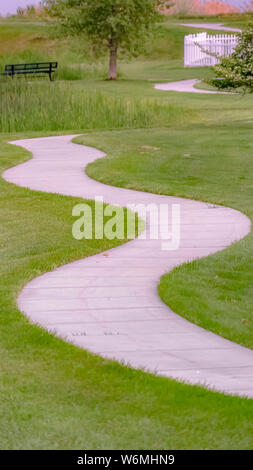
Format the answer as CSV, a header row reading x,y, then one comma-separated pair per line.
x,y
187,86
213,26
109,304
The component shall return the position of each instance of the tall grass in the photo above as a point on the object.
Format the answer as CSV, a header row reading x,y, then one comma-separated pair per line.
x,y
71,65
45,106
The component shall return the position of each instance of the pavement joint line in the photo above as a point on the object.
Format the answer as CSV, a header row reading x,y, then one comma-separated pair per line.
x,y
224,353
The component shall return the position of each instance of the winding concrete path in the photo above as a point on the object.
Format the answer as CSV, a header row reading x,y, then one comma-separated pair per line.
x,y
109,304
213,26
187,86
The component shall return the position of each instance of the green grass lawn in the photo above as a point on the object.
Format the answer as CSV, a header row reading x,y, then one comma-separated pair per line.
x,y
55,395
26,106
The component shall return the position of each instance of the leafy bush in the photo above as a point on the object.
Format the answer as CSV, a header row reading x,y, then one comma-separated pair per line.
x,y
236,71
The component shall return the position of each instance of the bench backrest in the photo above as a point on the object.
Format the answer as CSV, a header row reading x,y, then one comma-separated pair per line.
x,y
33,66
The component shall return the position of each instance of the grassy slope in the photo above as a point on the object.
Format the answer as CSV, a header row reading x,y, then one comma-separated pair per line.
x,y
34,42
58,396
19,37
22,42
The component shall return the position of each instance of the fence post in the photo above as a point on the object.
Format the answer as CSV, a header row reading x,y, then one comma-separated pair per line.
x,y
221,44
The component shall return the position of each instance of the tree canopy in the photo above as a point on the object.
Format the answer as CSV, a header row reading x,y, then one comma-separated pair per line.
x,y
118,25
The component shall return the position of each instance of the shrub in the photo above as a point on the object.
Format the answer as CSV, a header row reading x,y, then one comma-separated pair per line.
x,y
236,71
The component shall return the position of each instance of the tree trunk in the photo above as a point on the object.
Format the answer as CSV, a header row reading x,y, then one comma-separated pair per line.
x,y
112,75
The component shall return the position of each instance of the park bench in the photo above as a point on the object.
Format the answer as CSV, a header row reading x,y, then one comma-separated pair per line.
x,y
25,69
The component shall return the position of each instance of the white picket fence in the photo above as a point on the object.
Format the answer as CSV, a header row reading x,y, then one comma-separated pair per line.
x,y
196,44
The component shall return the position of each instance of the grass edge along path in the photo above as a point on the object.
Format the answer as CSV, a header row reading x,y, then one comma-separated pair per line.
x,y
202,164
57,396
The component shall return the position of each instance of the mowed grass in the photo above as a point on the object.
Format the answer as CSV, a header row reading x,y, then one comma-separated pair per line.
x,y
57,396
200,163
